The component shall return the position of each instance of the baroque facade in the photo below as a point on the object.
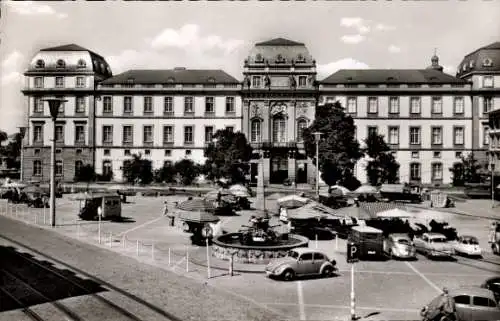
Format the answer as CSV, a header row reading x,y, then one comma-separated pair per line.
x,y
429,118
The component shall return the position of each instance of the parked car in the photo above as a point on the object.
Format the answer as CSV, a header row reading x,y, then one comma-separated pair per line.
x,y
434,245
399,245
493,284
301,262
473,304
467,245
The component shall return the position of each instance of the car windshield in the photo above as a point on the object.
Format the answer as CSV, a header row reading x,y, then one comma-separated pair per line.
x,y
293,254
404,241
471,241
438,240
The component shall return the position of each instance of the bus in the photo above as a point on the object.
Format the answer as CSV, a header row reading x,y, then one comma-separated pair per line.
x,y
370,241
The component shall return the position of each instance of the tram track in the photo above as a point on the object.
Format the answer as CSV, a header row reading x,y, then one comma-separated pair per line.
x,y
26,310
24,263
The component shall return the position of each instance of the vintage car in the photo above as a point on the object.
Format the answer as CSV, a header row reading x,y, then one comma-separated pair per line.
x,y
301,262
401,192
493,284
472,304
399,245
467,245
433,245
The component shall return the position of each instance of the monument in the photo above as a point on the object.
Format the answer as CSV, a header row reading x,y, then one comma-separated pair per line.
x,y
261,201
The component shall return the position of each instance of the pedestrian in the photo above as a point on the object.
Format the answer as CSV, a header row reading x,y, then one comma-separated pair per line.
x,y
165,208
447,305
99,211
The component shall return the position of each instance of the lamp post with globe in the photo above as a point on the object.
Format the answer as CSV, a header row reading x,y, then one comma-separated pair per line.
x,y
317,137
54,105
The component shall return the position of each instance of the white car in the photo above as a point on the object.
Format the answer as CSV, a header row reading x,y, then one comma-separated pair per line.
x,y
399,245
468,245
434,245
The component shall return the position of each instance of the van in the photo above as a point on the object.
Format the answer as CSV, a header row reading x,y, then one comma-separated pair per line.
x,y
370,241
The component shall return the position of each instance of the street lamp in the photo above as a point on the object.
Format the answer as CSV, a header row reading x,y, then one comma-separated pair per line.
x,y
22,133
317,137
54,104
492,167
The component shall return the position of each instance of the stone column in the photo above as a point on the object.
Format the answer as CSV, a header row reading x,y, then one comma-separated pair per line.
x,y
260,201
292,171
266,167
266,126
245,118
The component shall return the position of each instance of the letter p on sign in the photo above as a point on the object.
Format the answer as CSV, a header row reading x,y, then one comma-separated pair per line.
x,y
352,252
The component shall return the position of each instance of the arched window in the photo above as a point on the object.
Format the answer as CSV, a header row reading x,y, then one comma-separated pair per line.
x,y
279,129
60,63
82,63
255,131
415,172
40,63
301,125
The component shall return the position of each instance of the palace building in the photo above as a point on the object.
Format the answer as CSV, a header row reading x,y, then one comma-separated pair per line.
x,y
429,118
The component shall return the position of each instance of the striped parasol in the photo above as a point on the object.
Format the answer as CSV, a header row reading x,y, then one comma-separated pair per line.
x,y
198,217
371,209
196,205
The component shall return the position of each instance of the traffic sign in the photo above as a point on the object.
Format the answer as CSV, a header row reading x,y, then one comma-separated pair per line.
x,y
352,252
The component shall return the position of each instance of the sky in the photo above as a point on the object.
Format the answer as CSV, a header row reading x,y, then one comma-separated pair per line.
x,y
219,35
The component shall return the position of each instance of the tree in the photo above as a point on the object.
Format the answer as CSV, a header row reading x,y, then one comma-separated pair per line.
x,y
382,167
187,170
166,174
338,149
466,171
138,170
12,151
229,157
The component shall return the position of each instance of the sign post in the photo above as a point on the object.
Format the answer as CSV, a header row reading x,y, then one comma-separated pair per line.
x,y
352,257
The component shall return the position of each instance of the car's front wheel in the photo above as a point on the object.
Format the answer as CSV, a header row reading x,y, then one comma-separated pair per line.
x,y
327,272
288,275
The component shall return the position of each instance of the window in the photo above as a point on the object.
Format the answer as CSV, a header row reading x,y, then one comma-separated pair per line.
x,y
302,81
209,105
486,135
127,152
301,125
147,134
59,168
78,167
394,135
230,128
107,134
168,105
437,136
107,152
319,256
372,130
38,134
107,169
168,153
37,168
209,132
458,154
80,82
458,105
437,105
394,105
188,134
436,155
255,131
279,129
38,107
79,134
256,82
168,134
82,63
188,105
38,82
372,105
59,82
482,302
415,105
352,105
230,105
148,105
487,104
127,105
40,63
437,171
147,152
188,152
458,135
488,81
306,257
415,155
127,135
61,106
60,63
59,134
80,105
415,172
414,135
107,105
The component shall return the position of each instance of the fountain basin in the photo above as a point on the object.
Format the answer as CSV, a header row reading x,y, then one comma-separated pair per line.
x,y
227,245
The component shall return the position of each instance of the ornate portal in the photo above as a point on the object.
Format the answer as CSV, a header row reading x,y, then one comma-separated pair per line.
x,y
256,111
278,108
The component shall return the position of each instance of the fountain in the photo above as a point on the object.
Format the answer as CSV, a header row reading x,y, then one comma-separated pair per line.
x,y
256,243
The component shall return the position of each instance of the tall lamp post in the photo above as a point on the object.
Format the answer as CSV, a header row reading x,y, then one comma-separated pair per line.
x,y
22,132
317,137
54,104
492,167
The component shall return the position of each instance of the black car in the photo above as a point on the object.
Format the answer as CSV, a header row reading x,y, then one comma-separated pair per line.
x,y
493,284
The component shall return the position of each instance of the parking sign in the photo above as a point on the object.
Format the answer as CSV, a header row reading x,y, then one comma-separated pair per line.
x,y
352,252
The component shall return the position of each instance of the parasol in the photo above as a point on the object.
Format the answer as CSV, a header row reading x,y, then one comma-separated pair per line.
x,y
239,191
292,201
345,191
196,205
198,217
394,213
366,189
